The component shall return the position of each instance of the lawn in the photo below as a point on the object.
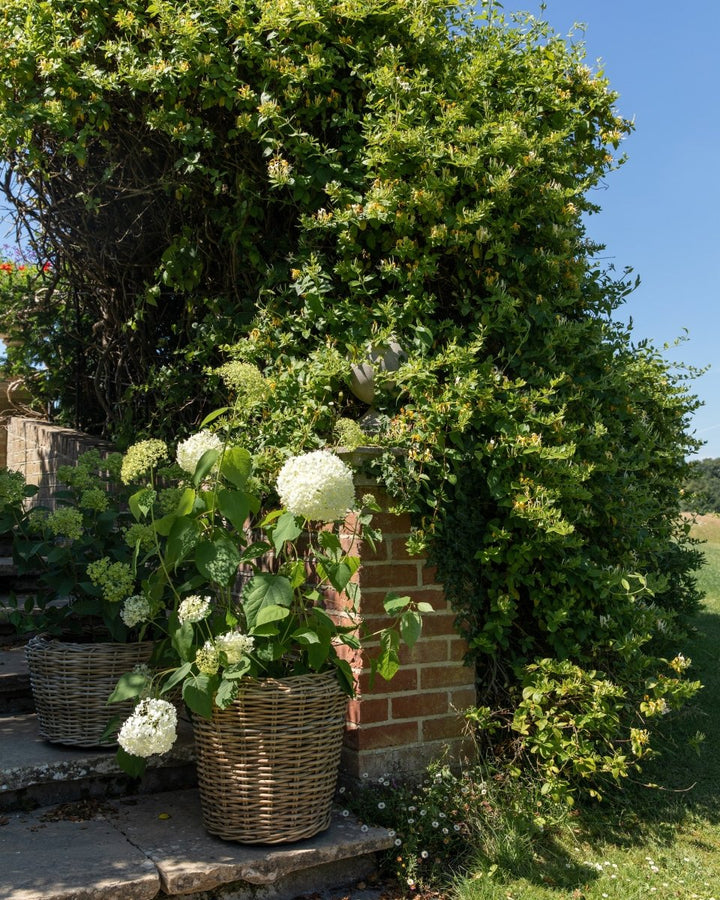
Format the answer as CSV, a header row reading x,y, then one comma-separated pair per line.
x,y
660,838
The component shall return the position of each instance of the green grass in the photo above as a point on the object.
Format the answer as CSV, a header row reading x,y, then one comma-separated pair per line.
x,y
658,842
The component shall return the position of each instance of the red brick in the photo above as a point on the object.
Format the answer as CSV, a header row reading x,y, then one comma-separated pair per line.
x,y
461,698
445,727
404,680
378,553
425,651
399,550
429,575
390,575
368,710
445,676
435,624
390,523
458,649
394,734
419,705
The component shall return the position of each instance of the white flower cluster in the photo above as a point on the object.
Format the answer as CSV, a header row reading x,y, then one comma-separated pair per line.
x,y
190,450
136,609
234,645
193,609
317,486
151,729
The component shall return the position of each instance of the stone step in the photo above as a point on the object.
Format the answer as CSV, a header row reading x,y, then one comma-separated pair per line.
x,y
36,773
148,847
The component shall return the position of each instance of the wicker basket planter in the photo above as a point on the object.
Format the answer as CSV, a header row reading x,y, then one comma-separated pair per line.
x,y
71,684
268,764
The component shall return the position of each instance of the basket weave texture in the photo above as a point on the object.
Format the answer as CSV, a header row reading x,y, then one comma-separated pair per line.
x,y
268,763
71,684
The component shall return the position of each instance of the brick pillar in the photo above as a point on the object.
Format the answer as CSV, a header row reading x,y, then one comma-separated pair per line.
x,y
401,725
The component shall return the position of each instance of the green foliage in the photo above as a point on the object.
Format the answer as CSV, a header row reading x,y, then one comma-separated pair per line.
x,y
291,184
702,488
82,554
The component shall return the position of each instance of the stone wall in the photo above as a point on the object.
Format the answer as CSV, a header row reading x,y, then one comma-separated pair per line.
x,y
38,448
12,399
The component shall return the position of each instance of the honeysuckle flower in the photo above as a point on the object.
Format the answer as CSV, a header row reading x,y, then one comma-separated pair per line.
x,y
151,729
136,609
193,609
190,450
141,458
234,645
316,486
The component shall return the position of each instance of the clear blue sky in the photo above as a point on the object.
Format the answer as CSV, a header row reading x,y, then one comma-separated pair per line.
x,y
661,210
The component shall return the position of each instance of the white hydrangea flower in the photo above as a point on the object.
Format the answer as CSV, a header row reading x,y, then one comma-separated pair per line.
x,y
190,450
317,486
135,610
151,729
234,645
193,609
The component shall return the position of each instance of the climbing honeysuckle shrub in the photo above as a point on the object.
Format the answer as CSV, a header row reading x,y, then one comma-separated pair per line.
x,y
248,592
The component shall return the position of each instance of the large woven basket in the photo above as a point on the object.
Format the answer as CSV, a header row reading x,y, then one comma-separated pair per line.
x,y
71,684
268,763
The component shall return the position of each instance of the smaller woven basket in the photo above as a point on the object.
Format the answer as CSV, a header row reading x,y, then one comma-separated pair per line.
x,y
71,684
268,763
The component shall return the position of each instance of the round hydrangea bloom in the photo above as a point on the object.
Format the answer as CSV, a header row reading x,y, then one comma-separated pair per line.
x,y
234,645
152,728
140,458
135,610
66,522
316,486
193,609
207,659
116,580
189,451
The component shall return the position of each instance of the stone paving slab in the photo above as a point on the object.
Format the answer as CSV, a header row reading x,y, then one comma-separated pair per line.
x,y
90,860
26,759
169,830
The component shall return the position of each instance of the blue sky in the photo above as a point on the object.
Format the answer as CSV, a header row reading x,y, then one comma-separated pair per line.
x,y
660,211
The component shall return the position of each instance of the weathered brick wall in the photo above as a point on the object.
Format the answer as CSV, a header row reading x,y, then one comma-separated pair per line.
x,y
38,448
12,397
402,724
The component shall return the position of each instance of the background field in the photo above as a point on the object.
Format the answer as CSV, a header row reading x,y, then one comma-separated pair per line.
x,y
660,838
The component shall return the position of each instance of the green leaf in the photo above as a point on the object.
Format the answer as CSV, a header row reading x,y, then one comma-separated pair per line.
x,y
129,685
265,589
306,637
330,542
133,765
226,693
394,604
176,677
141,503
183,538
198,693
271,614
410,626
255,551
234,505
182,640
215,414
218,560
205,465
186,502
236,466
287,528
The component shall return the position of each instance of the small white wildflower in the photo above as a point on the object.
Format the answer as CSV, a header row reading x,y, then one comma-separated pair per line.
x,y
445,831
381,805
456,828
234,645
193,609
346,813
363,828
150,729
411,821
424,854
341,790
135,610
190,450
317,486
436,824
391,832
398,842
